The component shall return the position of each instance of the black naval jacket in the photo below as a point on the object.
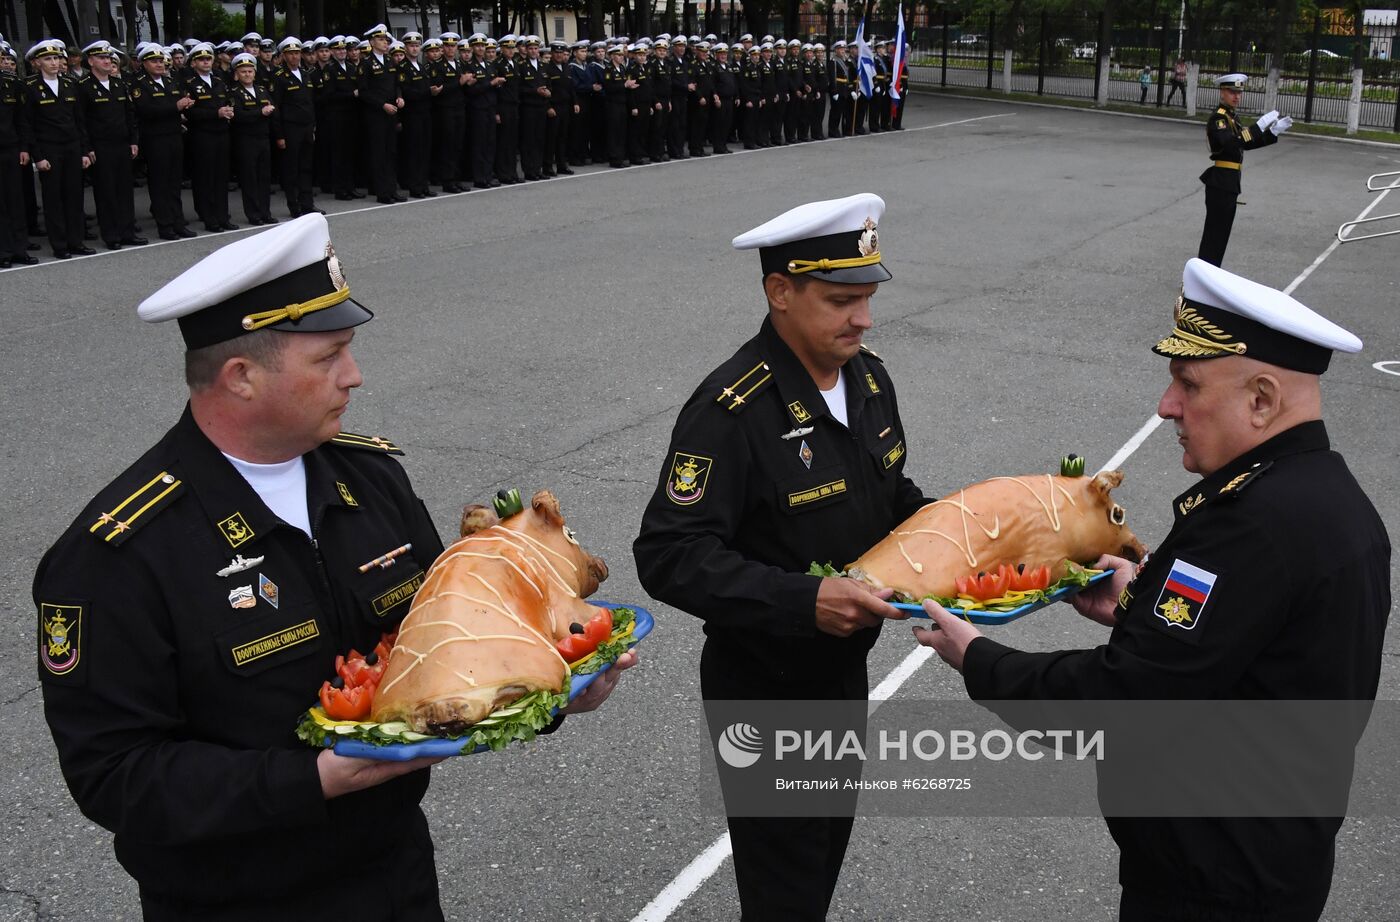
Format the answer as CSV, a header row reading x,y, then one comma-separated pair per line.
x,y
208,98
738,515
1299,572
295,100
157,109
55,121
108,113
174,709
1228,142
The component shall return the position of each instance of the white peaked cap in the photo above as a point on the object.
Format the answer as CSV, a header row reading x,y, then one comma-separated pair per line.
x,y
833,240
287,278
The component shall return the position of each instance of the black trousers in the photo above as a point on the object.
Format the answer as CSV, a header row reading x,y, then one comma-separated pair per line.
x,y
209,152
581,131
837,122
1139,906
415,147
1220,217
638,127
678,128
619,116
321,169
448,128
749,132
298,159
882,112
254,175
507,142
340,144
409,893
558,133
164,168
777,114
380,129
113,191
792,118
13,236
816,114
483,144
699,119
786,867
862,108
532,132
62,189
721,121
659,132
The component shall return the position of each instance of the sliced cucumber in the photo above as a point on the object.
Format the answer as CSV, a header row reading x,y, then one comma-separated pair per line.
x,y
414,737
487,722
506,712
346,729
393,728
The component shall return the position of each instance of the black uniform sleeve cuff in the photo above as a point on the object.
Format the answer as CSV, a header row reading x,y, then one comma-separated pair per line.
x,y
979,662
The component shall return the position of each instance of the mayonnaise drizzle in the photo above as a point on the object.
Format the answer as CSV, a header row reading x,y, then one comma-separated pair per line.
x,y
917,567
1052,509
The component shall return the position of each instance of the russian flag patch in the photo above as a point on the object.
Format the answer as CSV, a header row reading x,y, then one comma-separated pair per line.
x,y
1182,600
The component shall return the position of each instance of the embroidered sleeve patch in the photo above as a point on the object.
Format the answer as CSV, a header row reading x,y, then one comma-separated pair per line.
x,y
1182,602
60,637
685,485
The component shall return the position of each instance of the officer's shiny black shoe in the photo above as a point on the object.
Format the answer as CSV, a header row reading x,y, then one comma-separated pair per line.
x,y
62,254
169,235
566,172
185,232
24,260
135,241
112,244
228,226
84,251
4,263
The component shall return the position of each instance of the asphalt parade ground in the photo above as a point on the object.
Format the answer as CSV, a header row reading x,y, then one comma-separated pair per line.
x,y
545,335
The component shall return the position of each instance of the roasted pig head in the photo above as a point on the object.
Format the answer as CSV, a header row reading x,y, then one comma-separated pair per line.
x,y
1036,520
482,628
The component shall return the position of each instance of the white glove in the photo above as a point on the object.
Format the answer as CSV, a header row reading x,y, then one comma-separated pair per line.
x,y
1267,119
854,94
1282,125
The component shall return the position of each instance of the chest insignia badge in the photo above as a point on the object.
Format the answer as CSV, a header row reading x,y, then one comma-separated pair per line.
x,y
239,564
267,589
797,433
345,494
242,597
235,529
805,453
799,412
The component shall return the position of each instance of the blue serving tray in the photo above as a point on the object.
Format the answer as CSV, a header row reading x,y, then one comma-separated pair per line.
x,y
1001,617
402,752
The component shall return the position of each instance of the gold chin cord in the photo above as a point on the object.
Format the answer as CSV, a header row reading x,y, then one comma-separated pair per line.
x,y
294,312
799,266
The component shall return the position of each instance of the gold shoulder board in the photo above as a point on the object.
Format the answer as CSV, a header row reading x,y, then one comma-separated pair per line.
x,y
366,443
131,509
1236,487
738,395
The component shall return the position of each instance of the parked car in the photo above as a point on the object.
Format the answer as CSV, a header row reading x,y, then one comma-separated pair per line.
x,y
1323,52
971,41
1087,51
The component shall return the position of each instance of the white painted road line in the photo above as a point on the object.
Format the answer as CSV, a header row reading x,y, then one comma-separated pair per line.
x,y
686,882
709,861
445,197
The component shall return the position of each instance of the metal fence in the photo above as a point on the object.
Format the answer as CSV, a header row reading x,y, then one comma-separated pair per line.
x,y
1058,56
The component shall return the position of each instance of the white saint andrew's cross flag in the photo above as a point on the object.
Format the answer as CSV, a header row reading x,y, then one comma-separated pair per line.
x,y
865,61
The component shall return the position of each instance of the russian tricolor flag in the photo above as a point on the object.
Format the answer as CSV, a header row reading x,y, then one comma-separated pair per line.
x,y
1190,582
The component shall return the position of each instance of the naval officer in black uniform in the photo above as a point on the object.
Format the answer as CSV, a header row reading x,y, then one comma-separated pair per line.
x,y
1273,584
790,452
189,613
1228,142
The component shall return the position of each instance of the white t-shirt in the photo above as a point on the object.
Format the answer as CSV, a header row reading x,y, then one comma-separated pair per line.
x,y
281,486
52,85
836,399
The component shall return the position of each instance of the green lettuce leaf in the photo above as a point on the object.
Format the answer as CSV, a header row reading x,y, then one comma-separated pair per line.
x,y
824,569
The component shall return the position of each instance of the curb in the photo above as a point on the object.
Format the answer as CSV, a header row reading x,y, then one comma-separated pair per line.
x,y
926,90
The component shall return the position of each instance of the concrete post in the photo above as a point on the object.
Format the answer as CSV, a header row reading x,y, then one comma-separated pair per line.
x,y
1006,71
1193,76
1105,74
1354,104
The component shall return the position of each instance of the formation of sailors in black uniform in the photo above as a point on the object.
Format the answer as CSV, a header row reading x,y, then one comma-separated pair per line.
x,y
389,116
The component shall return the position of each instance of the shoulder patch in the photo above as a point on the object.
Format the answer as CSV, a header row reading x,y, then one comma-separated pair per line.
x,y
866,350
133,511
61,641
366,443
736,396
1236,487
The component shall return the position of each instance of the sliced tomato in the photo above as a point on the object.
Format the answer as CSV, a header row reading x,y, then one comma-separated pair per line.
x,y
348,703
984,585
1025,579
357,671
576,646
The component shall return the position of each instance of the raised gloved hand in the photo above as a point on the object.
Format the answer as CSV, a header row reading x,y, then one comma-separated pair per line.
x,y
1282,125
1267,119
